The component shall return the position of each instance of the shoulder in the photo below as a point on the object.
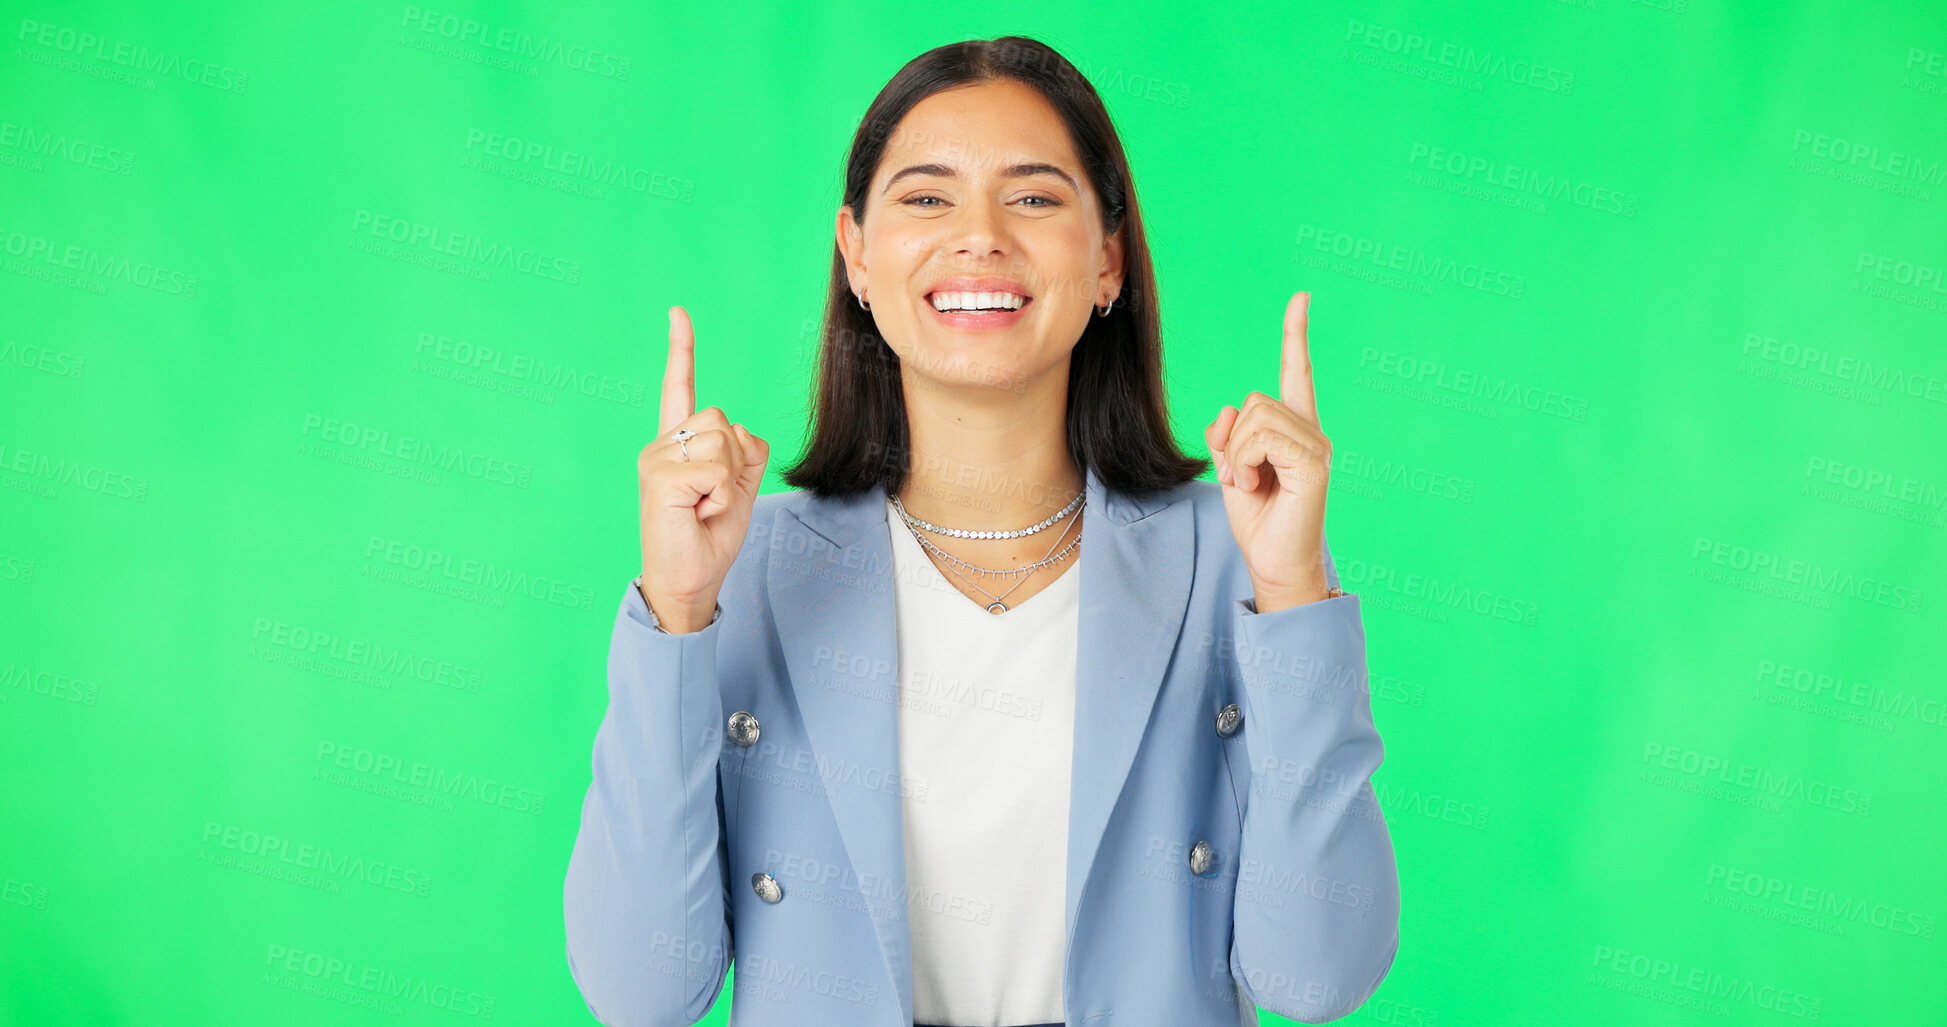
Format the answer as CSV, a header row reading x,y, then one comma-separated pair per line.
x,y
787,499
1204,500
798,501
1206,495
1199,505
765,510
768,509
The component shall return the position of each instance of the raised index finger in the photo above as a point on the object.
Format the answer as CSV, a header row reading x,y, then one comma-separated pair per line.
x,y
679,374
1295,368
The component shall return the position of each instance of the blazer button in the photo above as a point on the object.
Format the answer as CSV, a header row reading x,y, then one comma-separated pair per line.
x,y
766,887
1227,720
1200,859
743,728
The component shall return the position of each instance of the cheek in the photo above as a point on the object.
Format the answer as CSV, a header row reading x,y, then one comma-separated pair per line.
x,y
892,268
898,244
1068,267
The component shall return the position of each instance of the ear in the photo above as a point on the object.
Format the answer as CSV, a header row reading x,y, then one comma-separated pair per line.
x,y
851,242
1112,263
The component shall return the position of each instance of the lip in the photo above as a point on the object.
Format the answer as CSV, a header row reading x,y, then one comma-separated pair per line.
x,y
977,283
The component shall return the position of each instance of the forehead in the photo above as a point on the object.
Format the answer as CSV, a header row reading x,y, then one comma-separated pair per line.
x,y
980,129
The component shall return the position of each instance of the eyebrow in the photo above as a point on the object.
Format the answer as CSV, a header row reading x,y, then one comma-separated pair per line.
x,y
1022,170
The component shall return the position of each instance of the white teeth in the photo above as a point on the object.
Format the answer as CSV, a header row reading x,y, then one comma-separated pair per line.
x,y
944,301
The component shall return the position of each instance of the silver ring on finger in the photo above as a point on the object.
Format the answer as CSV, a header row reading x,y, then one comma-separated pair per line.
x,y
683,437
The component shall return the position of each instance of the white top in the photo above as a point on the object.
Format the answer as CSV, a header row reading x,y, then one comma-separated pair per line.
x,y
986,743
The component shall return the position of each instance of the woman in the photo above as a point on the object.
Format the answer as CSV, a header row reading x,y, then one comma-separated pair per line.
x,y
1000,716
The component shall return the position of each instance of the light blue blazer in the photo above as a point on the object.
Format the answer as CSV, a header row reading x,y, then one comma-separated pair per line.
x,y
691,805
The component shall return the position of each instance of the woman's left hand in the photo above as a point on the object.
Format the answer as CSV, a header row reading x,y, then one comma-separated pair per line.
x,y
1273,461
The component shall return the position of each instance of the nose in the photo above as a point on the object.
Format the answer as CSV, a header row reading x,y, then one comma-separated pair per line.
x,y
979,230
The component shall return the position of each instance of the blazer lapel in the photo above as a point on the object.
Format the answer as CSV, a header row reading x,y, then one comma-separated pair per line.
x,y
1136,567
830,581
831,585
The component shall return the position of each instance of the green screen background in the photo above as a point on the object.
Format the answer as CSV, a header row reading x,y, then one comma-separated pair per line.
x,y
1627,320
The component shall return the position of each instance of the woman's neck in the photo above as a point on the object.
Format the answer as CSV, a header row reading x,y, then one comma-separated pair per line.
x,y
988,468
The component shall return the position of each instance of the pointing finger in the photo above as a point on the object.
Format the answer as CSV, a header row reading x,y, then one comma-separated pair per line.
x,y
1295,370
679,374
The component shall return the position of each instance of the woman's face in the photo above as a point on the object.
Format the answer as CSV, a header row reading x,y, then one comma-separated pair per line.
x,y
980,197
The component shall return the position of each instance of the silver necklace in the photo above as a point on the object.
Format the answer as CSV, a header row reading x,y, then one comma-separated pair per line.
x,y
1073,505
996,605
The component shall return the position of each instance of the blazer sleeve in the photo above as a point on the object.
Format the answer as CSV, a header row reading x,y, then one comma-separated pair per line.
x,y
647,898
1316,918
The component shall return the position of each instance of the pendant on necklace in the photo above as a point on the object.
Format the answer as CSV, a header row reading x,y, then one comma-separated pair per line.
x,y
996,607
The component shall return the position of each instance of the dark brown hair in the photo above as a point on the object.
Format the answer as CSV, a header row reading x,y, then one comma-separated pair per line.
x,y
1118,420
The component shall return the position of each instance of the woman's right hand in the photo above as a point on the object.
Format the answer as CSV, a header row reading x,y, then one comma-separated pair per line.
x,y
695,513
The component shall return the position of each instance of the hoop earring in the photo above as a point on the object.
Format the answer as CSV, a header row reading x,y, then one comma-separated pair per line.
x,y
862,304
1104,311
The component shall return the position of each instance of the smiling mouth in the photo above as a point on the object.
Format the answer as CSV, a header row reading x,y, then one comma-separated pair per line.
x,y
960,302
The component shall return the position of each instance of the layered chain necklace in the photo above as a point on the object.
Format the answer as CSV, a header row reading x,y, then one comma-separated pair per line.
x,y
996,604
